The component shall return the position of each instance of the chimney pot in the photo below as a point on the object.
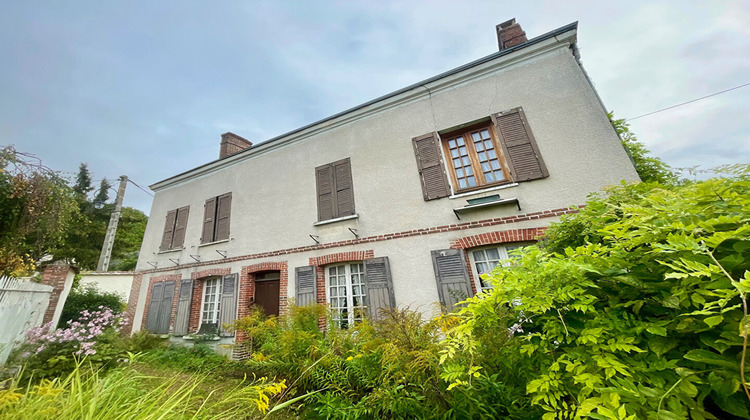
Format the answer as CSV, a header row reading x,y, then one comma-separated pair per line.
x,y
509,34
232,143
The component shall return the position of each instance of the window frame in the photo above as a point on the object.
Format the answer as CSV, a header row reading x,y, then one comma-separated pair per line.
x,y
172,246
215,220
473,156
336,200
217,293
504,258
352,317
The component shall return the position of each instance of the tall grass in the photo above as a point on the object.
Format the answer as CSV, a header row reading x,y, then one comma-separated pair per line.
x,y
124,393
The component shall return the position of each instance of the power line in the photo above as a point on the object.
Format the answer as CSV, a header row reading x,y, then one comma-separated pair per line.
x,y
688,102
139,187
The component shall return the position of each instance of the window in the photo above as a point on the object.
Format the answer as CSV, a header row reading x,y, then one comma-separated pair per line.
x,y
211,300
495,152
486,259
216,218
174,229
347,293
475,157
335,193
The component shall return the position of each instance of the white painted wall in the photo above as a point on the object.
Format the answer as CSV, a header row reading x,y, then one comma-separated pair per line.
x,y
22,307
118,282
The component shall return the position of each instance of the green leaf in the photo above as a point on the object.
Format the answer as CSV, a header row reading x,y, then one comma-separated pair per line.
x,y
671,302
711,358
656,330
713,321
723,383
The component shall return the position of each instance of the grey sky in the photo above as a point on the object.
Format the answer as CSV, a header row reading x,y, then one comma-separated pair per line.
x,y
146,88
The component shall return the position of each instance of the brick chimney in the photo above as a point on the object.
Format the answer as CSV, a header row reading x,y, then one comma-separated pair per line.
x,y
231,144
510,34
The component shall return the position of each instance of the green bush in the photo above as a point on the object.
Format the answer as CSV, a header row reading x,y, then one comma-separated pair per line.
x,y
199,358
88,298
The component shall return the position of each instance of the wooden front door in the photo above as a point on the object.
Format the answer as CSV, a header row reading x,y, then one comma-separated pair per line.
x,y
267,292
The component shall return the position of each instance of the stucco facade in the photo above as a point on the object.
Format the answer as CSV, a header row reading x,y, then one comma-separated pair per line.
x,y
274,217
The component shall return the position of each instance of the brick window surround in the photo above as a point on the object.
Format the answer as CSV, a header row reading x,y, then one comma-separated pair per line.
x,y
320,262
247,288
492,238
195,307
156,279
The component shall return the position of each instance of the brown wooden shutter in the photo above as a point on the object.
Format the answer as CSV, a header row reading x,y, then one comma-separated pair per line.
x,y
154,302
431,168
184,302
326,192
306,286
519,146
178,239
223,211
342,171
379,286
209,214
452,276
165,308
228,308
166,238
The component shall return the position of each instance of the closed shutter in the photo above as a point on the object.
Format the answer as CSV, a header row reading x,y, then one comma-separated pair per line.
x,y
228,308
519,146
178,239
431,168
325,188
152,322
184,302
379,286
342,171
451,275
306,287
166,238
165,308
223,211
209,214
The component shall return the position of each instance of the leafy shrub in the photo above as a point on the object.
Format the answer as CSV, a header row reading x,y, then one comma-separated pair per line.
x,y
88,298
642,318
199,358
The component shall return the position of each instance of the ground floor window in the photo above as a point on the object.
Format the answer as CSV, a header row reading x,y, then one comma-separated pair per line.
x,y
211,300
486,259
346,293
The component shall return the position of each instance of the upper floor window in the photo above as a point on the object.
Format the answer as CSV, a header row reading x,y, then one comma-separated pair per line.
x,y
216,218
174,229
347,293
475,157
486,259
335,192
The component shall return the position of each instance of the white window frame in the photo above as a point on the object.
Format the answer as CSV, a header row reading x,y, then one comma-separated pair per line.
x,y
504,259
351,270
211,315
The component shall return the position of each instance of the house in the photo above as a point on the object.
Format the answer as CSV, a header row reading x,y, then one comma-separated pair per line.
x,y
402,201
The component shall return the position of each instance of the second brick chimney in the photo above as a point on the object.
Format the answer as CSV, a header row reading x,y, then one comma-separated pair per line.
x,y
231,144
510,34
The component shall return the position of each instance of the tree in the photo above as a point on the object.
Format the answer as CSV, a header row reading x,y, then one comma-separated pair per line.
x,y
649,168
37,209
83,186
102,195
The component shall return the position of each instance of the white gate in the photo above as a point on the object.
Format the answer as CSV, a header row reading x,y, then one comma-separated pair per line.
x,y
22,306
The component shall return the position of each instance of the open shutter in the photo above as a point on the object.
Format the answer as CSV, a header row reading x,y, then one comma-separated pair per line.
x,y
209,214
519,146
166,238
431,168
379,286
223,211
342,171
228,308
451,275
326,193
182,318
305,288
178,239
165,308
152,323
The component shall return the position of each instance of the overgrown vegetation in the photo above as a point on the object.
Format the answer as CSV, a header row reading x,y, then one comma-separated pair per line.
x,y
650,168
88,298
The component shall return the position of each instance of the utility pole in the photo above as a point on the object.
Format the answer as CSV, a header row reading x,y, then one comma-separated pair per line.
x,y
109,239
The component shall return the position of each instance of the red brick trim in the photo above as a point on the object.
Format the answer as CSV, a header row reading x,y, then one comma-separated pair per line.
x,y
210,272
247,289
342,257
54,275
197,301
378,238
499,237
135,293
169,277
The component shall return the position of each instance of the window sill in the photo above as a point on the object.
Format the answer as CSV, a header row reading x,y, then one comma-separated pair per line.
x,y
338,219
171,250
469,193
199,338
214,243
